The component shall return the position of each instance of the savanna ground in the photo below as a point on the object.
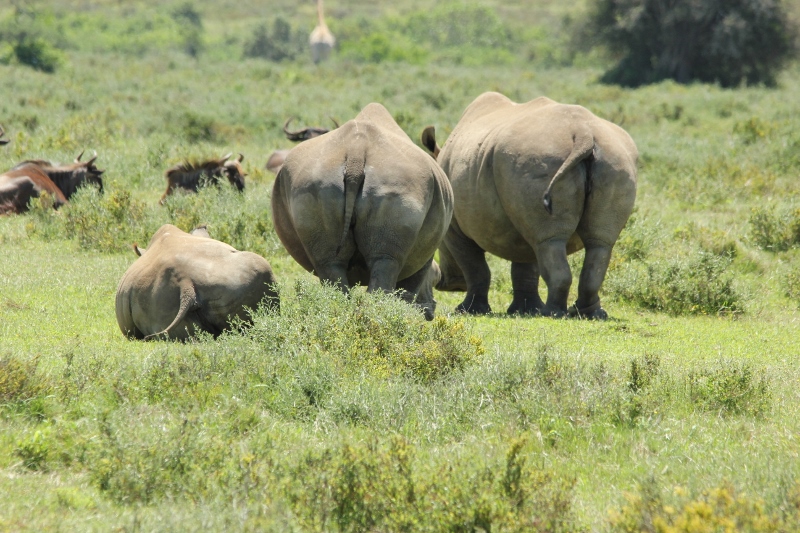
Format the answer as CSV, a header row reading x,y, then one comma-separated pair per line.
x,y
680,413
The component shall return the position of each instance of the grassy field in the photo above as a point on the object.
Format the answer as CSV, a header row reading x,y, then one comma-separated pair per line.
x,y
680,412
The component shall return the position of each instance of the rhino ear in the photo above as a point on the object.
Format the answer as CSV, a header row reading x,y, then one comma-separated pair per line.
x,y
200,231
428,139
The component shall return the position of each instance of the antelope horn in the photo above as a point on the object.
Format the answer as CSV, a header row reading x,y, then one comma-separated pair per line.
x,y
286,125
240,158
78,159
226,157
334,122
2,132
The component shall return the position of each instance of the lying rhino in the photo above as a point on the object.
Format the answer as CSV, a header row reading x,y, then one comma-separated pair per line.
x,y
363,204
185,283
534,182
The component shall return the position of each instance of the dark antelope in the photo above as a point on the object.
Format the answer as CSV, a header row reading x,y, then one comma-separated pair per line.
x,y
275,160
191,176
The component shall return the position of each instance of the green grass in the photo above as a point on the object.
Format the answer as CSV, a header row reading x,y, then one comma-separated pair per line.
x,y
355,414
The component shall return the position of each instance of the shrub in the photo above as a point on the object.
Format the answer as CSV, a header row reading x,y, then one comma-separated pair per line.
x,y
698,284
719,509
32,38
717,41
792,285
376,333
380,487
190,27
18,380
107,222
732,388
279,44
773,229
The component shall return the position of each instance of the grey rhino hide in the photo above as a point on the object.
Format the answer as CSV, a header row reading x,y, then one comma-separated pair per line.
x,y
363,204
532,183
186,283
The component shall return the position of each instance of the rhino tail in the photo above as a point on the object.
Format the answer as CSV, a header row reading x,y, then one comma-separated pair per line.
x,y
582,148
188,303
353,182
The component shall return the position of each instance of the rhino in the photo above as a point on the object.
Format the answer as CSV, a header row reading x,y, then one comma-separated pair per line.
x,y
364,205
534,182
29,179
184,283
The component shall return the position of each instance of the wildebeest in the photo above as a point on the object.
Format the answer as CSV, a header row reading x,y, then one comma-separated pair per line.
x,y
2,132
321,38
31,178
190,176
186,283
278,156
534,182
363,204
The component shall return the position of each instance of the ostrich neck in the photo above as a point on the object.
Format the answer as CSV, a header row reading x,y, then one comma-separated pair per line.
x,y
320,15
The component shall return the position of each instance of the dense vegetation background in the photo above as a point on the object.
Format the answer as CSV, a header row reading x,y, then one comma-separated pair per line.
x,y
355,414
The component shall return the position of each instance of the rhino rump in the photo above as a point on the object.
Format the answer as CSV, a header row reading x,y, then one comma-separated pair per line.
x,y
184,284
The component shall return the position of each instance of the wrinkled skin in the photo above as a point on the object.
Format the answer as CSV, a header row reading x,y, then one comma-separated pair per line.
x,y
186,283
533,183
364,205
30,179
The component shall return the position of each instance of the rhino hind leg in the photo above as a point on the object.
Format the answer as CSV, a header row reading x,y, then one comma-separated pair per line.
x,y
525,282
417,290
554,268
595,265
471,260
452,278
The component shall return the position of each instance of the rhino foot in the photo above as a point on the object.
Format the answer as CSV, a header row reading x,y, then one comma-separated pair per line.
x,y
525,306
474,306
592,312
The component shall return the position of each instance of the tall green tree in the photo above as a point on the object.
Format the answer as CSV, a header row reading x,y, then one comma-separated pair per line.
x,y
729,42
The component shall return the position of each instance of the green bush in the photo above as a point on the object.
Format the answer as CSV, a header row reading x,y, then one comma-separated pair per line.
x,y
722,508
31,38
381,487
774,229
732,388
279,44
726,42
190,26
697,284
107,222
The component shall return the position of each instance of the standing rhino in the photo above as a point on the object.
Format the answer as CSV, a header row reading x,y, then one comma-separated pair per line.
x,y
363,204
532,183
185,283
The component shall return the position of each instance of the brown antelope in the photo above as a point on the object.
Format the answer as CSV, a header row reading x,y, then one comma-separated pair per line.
x,y
31,178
